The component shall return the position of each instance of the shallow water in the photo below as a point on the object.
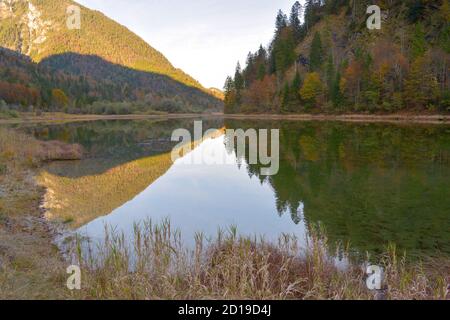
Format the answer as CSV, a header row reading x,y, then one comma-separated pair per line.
x,y
367,184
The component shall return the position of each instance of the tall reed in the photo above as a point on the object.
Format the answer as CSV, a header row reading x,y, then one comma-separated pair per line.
x,y
156,265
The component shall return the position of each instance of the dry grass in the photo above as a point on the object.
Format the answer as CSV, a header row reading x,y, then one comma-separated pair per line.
x,y
158,266
18,150
30,265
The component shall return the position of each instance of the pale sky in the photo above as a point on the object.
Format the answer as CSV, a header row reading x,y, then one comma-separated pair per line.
x,y
205,38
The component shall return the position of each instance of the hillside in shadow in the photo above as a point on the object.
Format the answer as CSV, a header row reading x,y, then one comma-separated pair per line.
x,y
85,79
123,83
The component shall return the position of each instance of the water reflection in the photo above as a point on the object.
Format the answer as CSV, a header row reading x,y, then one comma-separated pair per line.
x,y
202,197
368,184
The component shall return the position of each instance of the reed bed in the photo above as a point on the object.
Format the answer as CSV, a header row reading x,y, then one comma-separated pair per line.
x,y
18,150
156,265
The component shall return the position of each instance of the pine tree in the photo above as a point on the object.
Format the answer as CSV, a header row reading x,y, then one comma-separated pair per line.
x,y
297,83
261,71
418,42
316,53
295,92
238,78
239,84
229,96
335,94
285,99
330,74
281,22
283,51
311,13
294,21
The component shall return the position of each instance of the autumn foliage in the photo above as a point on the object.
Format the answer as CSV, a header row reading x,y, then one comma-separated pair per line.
x,y
330,62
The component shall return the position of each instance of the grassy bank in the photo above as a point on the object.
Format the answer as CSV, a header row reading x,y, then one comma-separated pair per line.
x,y
234,267
30,265
228,267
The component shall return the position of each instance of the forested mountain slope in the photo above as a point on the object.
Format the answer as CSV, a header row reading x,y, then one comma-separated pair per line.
x,y
100,61
324,58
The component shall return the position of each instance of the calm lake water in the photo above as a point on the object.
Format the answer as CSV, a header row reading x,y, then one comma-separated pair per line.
x,y
367,184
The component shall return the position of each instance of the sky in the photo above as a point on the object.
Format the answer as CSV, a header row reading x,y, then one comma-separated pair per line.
x,y
205,38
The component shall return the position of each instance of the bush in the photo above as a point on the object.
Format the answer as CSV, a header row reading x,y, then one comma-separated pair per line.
x,y
170,105
6,111
9,114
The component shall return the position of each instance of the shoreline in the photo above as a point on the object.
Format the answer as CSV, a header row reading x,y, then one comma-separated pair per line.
x,y
369,118
64,117
358,118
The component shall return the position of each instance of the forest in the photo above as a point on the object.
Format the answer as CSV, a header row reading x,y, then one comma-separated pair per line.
x,y
324,59
75,83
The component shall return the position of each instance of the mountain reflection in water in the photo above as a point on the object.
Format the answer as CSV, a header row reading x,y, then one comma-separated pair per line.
x,y
368,184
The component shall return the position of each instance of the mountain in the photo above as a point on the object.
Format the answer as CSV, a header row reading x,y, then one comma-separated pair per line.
x,y
105,60
324,59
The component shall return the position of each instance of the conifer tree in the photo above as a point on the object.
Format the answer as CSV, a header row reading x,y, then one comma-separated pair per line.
x,y
418,42
281,22
330,74
316,53
238,78
294,21
239,84
285,99
229,95
335,94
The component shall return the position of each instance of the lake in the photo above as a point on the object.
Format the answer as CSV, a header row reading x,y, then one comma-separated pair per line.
x,y
368,185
